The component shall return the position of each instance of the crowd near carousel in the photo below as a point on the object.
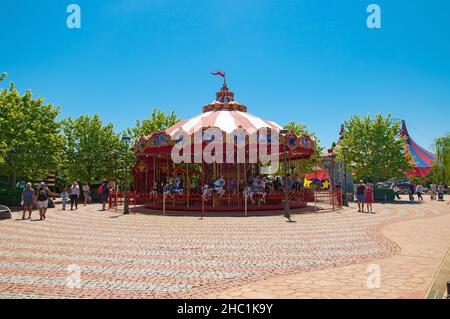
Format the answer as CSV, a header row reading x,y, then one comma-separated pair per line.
x,y
236,181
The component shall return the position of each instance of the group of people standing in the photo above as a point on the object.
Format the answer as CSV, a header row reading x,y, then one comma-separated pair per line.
x,y
364,196
436,191
41,198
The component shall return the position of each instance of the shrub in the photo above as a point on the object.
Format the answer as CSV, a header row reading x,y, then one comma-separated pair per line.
x,y
10,197
384,194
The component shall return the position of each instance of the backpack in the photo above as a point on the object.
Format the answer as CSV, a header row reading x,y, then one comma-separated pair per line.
x,y
42,195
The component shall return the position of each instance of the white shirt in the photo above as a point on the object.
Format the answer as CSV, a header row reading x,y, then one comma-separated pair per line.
x,y
74,189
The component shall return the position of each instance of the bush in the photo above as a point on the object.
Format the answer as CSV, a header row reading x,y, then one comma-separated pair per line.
x,y
384,194
10,197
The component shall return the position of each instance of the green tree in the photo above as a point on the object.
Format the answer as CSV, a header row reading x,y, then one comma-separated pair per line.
x,y
158,121
441,169
88,147
373,148
30,139
306,165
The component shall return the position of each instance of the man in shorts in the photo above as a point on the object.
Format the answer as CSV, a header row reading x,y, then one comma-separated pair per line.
x,y
359,192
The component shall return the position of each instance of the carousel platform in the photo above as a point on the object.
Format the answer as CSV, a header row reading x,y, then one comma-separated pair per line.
x,y
306,208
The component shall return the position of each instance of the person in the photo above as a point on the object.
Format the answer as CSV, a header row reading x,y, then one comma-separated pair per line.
x,y
277,184
234,186
178,185
154,191
288,182
105,194
360,189
42,200
28,198
440,191
74,194
396,190
419,191
86,193
411,191
368,197
64,197
433,189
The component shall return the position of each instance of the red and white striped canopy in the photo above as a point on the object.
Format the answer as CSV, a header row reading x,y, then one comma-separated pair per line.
x,y
226,120
226,114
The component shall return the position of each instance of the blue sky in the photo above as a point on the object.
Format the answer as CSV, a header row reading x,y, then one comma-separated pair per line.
x,y
310,61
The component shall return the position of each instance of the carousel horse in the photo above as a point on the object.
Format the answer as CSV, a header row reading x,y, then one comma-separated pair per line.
x,y
258,188
217,186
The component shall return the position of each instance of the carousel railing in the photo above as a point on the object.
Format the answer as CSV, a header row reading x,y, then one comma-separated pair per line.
x,y
230,201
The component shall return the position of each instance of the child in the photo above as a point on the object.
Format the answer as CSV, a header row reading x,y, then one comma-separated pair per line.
x,y
64,196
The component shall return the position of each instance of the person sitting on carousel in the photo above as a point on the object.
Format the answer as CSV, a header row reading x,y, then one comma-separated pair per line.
x,y
234,186
177,186
168,188
154,191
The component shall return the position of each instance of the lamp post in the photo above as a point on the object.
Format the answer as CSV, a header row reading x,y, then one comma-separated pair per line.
x,y
344,149
126,141
284,134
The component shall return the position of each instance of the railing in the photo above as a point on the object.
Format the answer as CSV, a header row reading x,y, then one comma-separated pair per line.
x,y
229,202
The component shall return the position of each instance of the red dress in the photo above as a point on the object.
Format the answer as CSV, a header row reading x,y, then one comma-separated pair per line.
x,y
368,195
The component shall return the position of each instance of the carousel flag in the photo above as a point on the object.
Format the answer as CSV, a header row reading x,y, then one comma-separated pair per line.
x,y
222,74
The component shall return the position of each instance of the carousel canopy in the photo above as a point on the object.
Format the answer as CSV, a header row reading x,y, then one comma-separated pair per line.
x,y
225,114
230,117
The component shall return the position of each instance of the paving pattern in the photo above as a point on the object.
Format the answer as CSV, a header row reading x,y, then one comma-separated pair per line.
x,y
93,254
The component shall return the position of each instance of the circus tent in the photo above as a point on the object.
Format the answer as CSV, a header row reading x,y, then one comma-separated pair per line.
x,y
421,159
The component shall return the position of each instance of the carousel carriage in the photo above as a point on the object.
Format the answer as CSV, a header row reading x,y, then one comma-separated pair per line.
x,y
221,185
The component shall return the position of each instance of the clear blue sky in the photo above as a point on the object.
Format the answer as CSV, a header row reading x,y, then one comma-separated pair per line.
x,y
310,61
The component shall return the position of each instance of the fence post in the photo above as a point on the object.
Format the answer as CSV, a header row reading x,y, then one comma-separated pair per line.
x,y
164,203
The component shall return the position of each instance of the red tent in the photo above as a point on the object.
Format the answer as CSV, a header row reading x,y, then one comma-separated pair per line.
x,y
319,174
421,159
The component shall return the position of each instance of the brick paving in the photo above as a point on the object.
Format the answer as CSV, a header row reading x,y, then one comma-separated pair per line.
x,y
147,256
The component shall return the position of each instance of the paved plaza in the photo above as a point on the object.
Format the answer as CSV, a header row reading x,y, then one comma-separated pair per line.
x,y
92,254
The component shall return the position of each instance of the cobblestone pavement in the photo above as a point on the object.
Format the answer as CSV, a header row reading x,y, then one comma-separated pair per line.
x,y
145,256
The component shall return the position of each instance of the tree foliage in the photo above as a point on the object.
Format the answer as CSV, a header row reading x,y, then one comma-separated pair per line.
x,y
441,169
30,140
373,148
88,146
158,121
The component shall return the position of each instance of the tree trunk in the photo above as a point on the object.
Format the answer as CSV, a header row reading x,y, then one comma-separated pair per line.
x,y
13,177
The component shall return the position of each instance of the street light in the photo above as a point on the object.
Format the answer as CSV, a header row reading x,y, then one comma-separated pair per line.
x,y
284,134
344,149
126,141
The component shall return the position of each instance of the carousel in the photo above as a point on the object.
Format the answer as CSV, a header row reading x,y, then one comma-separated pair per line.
x,y
231,183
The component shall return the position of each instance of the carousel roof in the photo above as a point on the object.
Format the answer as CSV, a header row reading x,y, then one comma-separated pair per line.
x,y
226,114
